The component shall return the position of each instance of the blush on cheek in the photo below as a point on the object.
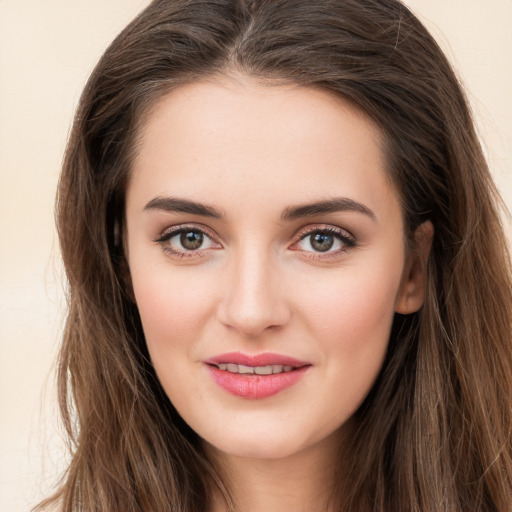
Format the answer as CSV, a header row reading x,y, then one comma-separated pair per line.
x,y
170,305
355,311
355,327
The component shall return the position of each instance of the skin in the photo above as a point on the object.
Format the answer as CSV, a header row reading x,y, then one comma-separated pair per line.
x,y
253,152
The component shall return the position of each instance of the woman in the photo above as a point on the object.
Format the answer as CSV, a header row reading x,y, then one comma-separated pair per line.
x,y
289,286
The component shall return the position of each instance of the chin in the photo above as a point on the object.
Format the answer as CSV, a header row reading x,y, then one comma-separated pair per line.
x,y
277,441
276,447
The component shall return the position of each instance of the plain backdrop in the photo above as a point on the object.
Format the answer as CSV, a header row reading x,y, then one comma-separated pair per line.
x,y
47,50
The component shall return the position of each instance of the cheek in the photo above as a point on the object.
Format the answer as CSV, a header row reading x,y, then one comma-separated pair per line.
x,y
352,317
173,306
174,309
354,305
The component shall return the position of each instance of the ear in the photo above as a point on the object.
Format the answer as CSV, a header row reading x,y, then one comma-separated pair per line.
x,y
412,288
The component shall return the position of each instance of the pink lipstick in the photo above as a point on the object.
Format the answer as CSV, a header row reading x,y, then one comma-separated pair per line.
x,y
258,376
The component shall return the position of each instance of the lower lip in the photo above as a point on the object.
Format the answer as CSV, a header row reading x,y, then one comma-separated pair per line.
x,y
254,386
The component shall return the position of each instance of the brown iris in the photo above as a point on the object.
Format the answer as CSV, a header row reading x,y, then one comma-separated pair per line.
x,y
191,240
321,242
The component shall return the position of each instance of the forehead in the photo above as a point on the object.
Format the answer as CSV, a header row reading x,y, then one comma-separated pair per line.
x,y
245,139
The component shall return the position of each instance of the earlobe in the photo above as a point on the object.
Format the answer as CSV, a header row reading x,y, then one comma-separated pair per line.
x,y
412,289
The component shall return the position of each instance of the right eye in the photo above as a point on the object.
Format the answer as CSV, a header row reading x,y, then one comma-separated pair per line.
x,y
186,241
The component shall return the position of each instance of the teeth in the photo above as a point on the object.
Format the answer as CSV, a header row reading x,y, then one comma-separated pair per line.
x,y
258,370
263,370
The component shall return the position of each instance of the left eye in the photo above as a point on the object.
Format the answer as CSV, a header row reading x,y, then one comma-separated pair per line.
x,y
324,241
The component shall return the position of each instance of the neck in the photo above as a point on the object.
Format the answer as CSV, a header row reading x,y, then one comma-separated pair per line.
x,y
301,482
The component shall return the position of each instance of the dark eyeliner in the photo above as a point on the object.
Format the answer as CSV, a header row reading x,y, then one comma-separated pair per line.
x,y
167,234
184,253
346,238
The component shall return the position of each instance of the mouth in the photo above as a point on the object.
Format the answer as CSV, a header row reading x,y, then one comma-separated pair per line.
x,y
255,377
271,369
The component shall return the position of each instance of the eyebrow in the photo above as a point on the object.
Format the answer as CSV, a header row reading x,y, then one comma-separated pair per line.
x,y
173,204
339,204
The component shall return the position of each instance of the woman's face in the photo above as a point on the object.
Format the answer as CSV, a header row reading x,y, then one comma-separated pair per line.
x,y
266,251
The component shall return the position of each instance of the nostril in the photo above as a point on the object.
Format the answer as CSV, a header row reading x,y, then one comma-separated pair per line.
x,y
253,300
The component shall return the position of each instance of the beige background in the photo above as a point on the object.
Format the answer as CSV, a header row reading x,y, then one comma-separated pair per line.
x,y
47,50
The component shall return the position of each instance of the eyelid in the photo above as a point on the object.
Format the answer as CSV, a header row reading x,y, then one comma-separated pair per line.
x,y
347,239
173,231
326,228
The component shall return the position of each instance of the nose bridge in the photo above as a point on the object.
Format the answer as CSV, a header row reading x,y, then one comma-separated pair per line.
x,y
254,299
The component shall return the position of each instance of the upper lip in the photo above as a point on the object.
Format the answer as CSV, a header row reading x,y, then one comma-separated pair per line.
x,y
264,359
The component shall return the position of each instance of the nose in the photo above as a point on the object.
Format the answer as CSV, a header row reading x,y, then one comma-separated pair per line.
x,y
254,298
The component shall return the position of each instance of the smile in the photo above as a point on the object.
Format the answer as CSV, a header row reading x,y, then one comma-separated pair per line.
x,y
270,369
256,377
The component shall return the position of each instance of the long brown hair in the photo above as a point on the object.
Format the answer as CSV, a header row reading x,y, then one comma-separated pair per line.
x,y
434,434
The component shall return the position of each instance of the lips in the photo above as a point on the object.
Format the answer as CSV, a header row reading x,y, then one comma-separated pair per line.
x,y
258,370
255,377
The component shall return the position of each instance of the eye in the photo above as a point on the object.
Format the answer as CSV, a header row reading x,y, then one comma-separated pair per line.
x,y
320,241
329,241
186,241
190,240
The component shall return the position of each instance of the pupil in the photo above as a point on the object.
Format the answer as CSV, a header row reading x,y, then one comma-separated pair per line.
x,y
191,240
322,241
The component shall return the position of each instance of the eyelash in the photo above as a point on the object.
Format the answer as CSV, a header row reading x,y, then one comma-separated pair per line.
x,y
167,235
346,240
